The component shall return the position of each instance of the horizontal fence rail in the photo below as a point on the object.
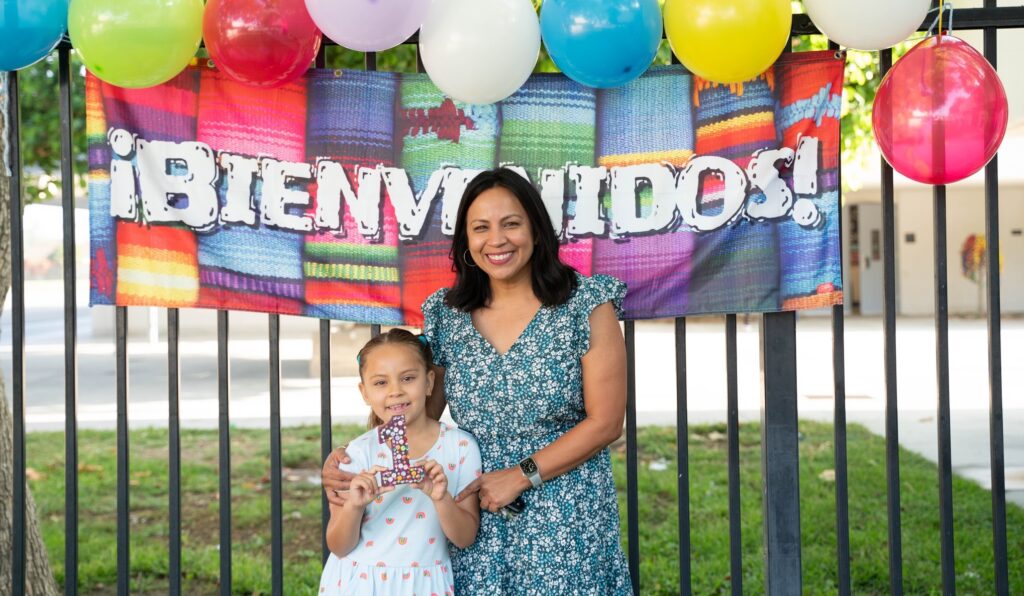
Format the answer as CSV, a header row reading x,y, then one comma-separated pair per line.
x,y
779,441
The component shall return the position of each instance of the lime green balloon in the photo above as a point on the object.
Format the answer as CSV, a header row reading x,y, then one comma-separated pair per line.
x,y
136,43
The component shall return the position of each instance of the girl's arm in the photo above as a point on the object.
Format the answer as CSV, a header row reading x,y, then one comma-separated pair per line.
x,y
459,521
343,528
604,398
347,520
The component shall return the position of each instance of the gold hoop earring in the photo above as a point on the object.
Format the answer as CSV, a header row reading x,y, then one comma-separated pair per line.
x,y
465,259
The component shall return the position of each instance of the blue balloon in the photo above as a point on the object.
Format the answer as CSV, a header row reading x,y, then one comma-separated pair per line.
x,y
601,43
29,30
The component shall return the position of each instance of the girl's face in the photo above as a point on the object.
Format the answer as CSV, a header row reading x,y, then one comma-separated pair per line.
x,y
395,381
499,235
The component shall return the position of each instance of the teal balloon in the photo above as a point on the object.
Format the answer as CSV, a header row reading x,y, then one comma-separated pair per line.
x,y
601,43
30,30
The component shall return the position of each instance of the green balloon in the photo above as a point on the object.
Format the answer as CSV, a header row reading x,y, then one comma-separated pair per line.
x,y
136,43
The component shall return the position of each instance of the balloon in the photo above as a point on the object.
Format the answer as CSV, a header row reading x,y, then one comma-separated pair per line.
x,y
728,41
601,43
940,113
480,51
139,43
368,25
30,29
867,24
263,43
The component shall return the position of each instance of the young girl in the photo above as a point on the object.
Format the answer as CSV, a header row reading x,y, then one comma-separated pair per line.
x,y
394,539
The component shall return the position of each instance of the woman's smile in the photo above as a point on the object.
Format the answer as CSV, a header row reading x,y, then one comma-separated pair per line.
x,y
499,235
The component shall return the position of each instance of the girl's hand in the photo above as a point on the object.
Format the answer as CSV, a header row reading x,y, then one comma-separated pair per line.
x,y
435,483
334,480
363,489
496,489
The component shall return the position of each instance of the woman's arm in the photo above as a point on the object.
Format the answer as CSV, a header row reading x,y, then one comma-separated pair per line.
x,y
604,398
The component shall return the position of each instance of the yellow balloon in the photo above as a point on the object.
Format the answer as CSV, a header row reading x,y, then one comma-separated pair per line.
x,y
728,41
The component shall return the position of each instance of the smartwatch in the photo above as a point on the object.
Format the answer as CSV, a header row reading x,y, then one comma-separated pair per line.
x,y
529,469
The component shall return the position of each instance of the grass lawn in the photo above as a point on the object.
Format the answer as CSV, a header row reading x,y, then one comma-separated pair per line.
x,y
658,512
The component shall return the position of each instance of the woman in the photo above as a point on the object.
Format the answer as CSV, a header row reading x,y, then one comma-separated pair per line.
x,y
533,364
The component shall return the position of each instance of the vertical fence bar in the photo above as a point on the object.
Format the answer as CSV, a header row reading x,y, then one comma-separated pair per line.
x,y
632,501
683,459
173,455
942,380
995,353
70,329
325,426
892,446
780,456
276,530
17,342
839,415
123,508
224,422
732,421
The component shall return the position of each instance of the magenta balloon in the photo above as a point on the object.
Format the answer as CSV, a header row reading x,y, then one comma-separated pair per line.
x,y
940,113
368,25
263,43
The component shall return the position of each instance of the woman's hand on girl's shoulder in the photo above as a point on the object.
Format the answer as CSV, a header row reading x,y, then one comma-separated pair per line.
x,y
336,481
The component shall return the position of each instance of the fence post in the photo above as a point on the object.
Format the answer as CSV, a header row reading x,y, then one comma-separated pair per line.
x,y
780,458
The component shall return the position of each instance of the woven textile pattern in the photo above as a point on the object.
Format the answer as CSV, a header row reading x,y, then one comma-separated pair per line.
x,y
657,108
260,268
156,264
810,103
102,231
351,121
548,123
735,268
435,130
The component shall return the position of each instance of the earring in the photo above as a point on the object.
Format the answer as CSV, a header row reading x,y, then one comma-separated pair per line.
x,y
466,260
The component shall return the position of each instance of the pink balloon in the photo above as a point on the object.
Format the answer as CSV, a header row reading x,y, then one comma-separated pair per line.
x,y
263,43
940,113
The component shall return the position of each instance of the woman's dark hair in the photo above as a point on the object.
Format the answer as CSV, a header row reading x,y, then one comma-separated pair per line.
x,y
395,336
553,281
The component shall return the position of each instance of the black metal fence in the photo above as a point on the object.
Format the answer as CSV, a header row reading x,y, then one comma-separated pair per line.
x,y
780,461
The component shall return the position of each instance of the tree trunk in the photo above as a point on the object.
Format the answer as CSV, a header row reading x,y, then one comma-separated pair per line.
x,y
38,575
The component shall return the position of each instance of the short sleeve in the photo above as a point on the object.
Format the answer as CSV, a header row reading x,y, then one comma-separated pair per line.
x,y
360,452
468,467
434,313
591,293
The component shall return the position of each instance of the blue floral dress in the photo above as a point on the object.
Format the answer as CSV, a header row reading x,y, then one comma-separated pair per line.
x,y
567,539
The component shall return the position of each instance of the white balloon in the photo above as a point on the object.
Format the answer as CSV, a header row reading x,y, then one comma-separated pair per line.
x,y
480,51
867,24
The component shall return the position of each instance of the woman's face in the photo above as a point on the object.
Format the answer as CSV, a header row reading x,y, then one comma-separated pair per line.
x,y
499,235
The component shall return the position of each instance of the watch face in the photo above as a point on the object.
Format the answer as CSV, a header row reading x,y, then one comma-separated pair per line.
x,y
528,466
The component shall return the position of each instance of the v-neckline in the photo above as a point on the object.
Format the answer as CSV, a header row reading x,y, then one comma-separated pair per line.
x,y
536,315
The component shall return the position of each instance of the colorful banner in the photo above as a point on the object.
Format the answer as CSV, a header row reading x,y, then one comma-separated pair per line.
x,y
335,196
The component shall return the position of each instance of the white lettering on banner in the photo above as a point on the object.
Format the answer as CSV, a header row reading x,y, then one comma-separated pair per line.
x,y
162,190
764,175
625,212
241,172
277,196
690,185
587,219
178,182
123,198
